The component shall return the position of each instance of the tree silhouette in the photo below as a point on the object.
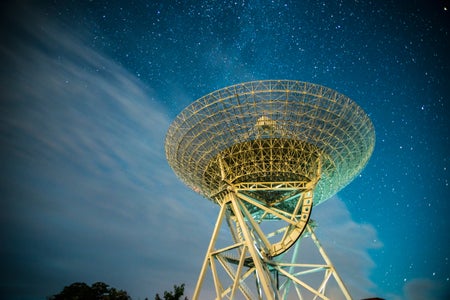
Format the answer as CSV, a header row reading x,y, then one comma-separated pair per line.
x,y
178,292
102,291
98,291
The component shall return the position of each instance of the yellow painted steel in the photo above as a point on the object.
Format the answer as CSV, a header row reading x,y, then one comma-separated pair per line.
x,y
272,129
268,151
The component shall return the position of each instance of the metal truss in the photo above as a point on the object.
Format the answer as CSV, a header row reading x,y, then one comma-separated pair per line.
x,y
270,130
254,266
261,150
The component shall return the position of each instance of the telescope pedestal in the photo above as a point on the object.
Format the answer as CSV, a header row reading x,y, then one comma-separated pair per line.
x,y
245,268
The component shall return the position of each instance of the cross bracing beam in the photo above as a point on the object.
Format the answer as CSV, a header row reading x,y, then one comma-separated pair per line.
x,y
245,268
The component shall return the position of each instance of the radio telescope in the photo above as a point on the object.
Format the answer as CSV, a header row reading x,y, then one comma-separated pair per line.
x,y
267,152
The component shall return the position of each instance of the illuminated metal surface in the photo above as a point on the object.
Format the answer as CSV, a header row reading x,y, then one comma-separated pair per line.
x,y
267,152
270,130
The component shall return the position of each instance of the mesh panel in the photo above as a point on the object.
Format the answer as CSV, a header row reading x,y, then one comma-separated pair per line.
x,y
270,130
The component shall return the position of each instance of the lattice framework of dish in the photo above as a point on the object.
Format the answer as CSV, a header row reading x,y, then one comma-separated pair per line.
x,y
270,132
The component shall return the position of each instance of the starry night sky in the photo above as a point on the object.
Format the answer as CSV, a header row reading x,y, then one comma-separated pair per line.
x,y
89,88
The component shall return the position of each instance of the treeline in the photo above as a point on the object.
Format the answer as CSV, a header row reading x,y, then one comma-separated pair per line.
x,y
102,291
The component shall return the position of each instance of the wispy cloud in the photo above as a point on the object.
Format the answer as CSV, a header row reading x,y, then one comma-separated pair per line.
x,y
421,288
87,194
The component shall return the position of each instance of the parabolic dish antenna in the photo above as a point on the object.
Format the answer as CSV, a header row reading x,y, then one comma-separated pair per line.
x,y
268,150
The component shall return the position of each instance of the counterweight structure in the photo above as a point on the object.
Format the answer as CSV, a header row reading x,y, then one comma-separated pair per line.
x,y
267,152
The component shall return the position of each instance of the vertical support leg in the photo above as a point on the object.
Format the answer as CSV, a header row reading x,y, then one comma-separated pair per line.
x,y
291,269
208,257
300,276
330,264
261,272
